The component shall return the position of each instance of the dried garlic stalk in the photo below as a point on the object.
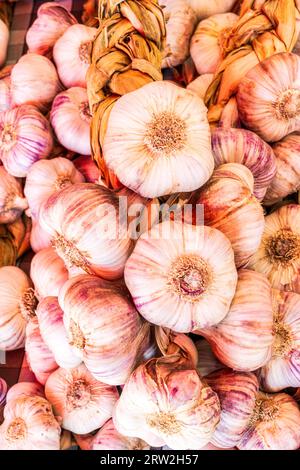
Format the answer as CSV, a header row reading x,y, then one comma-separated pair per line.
x,y
126,54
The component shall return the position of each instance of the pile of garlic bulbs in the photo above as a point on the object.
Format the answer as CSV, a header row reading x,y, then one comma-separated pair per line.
x,y
164,312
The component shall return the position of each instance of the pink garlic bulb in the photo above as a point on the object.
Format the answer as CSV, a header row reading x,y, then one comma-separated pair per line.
x,y
25,137
5,89
34,80
48,273
27,389
39,238
53,19
46,177
108,438
85,165
71,119
54,334
40,358
12,201
71,55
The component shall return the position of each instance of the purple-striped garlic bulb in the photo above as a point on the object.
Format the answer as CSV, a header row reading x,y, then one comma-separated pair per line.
x,y
245,147
283,368
237,392
182,276
83,403
87,229
25,137
243,340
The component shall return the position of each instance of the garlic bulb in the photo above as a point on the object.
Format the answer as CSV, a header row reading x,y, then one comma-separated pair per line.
x,y
29,424
5,92
54,334
83,221
83,403
237,392
205,8
17,304
46,177
230,206
27,389
3,392
283,369
108,342
278,256
181,276
274,424
268,97
25,137
207,361
71,120
12,201
243,340
287,178
85,165
39,238
4,38
39,356
165,402
34,80
165,146
180,23
207,41
108,438
201,84
52,21
71,55
48,273
242,146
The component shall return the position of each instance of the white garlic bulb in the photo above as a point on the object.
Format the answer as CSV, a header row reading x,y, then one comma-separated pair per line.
x,y
165,146
206,44
205,8
48,273
83,403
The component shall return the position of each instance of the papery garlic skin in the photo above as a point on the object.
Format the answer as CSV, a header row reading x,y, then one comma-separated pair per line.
x,y
108,438
180,23
71,55
181,276
48,273
274,425
34,80
207,361
165,147
108,342
88,168
5,92
83,403
25,137
204,8
83,221
201,84
12,201
278,256
29,424
54,334
243,340
268,97
206,44
163,405
245,147
17,304
52,21
40,358
287,177
283,368
46,177
237,392
71,119
230,206
25,389
39,238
